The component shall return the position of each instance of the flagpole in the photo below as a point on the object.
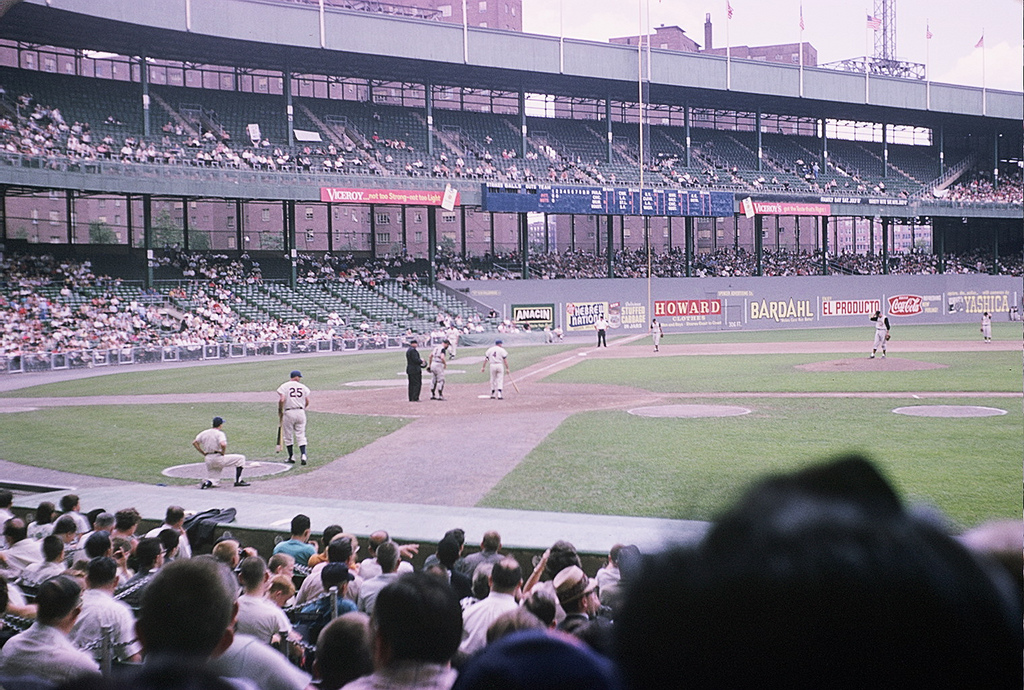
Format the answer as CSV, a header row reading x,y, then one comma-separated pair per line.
x,y
867,64
728,46
465,34
561,36
927,64
801,50
984,95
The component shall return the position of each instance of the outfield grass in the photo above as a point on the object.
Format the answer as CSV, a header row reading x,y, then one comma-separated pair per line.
x,y
1005,330
616,463
993,372
319,373
137,442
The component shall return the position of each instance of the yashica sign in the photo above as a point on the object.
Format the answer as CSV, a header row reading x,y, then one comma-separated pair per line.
x,y
398,197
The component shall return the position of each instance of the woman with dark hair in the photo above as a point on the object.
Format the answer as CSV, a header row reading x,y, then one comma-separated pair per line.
x,y
42,526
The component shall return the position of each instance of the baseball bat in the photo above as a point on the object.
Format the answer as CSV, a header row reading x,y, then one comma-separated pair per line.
x,y
277,448
512,380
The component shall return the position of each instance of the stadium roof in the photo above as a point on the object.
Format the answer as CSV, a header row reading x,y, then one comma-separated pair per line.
x,y
298,38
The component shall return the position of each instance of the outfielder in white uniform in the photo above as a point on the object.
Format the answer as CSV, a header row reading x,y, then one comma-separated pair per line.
x,y
881,333
212,444
438,362
292,401
656,333
497,357
986,326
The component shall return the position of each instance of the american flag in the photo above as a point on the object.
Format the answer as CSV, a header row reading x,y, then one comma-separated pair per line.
x,y
728,9
874,23
981,42
802,17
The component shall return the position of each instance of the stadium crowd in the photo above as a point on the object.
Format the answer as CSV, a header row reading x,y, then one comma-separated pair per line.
x,y
41,131
810,576
63,306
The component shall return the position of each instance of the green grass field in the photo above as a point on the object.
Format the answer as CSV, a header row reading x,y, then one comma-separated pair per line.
x,y
606,462
614,462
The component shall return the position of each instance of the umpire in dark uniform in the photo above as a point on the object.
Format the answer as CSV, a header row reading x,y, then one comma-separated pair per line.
x,y
414,365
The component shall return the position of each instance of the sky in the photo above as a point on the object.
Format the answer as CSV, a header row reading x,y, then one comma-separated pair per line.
x,y
836,28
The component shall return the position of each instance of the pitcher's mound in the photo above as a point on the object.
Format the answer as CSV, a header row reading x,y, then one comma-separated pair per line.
x,y
197,470
689,411
867,364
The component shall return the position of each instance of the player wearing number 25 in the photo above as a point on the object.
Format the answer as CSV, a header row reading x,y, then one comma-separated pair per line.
x,y
292,401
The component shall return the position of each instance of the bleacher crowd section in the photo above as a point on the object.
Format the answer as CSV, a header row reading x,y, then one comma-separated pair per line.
x,y
64,120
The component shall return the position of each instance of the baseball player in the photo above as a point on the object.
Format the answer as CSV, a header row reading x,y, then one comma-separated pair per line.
x,y
986,326
497,356
438,362
881,333
292,401
656,333
212,444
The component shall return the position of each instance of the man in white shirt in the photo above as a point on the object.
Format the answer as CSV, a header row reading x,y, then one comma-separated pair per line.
x,y
387,558
601,325
100,610
44,650
51,566
21,551
506,580
257,615
6,500
175,519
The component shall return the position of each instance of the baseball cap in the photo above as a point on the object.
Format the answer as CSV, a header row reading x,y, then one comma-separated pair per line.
x,y
295,373
334,574
499,341
217,421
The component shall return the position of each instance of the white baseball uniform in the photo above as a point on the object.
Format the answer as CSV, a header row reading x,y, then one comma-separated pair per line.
x,y
213,443
496,357
295,395
437,367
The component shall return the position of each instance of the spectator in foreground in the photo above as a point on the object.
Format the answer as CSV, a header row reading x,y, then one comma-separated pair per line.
x,y
417,626
44,651
506,579
537,660
101,611
343,651
298,546
816,578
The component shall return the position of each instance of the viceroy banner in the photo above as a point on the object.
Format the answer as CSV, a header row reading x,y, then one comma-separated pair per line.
x,y
399,197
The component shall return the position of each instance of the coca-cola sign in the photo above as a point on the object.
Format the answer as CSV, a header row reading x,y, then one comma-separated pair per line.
x,y
905,305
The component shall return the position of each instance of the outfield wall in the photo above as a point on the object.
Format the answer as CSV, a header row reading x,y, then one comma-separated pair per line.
x,y
714,304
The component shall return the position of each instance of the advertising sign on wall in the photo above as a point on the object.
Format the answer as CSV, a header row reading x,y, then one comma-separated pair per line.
x,y
633,316
537,316
689,312
850,307
581,316
972,302
400,197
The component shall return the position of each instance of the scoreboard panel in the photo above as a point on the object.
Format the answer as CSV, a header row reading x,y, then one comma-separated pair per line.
x,y
614,201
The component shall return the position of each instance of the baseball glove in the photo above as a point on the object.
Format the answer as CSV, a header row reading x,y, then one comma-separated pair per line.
x,y
887,336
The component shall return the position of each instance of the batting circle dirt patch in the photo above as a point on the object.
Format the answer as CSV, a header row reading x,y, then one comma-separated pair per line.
x,y
197,470
949,411
868,364
689,411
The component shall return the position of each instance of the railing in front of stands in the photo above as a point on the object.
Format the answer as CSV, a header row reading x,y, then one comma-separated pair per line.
x,y
36,362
